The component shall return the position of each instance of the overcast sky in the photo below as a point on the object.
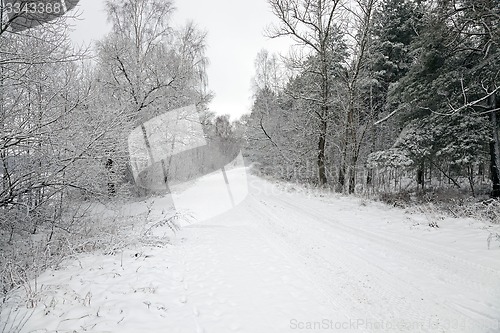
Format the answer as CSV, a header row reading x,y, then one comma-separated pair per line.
x,y
235,36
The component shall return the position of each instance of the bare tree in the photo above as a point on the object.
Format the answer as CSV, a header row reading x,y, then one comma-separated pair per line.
x,y
147,68
360,18
311,24
45,148
144,62
269,73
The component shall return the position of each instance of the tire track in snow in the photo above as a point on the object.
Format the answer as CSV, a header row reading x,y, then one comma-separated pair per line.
x,y
344,274
238,282
461,271
492,274
350,237
449,266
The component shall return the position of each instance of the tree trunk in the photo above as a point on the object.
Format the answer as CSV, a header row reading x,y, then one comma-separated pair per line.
x,y
495,179
352,179
111,184
470,176
325,92
341,178
353,167
495,149
351,139
321,153
369,177
420,175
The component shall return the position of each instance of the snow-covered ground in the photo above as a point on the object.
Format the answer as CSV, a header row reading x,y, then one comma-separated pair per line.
x,y
284,260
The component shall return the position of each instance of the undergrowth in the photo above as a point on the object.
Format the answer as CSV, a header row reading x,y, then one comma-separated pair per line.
x,y
451,203
107,229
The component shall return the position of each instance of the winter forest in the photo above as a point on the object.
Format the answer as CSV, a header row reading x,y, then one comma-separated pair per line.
x,y
392,101
381,96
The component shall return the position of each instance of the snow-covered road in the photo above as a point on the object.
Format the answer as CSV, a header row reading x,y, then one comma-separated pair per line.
x,y
287,261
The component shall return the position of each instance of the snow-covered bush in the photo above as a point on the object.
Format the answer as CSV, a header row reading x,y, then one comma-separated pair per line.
x,y
87,228
392,158
488,210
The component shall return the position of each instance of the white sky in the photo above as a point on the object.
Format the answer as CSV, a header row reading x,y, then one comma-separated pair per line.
x,y
235,36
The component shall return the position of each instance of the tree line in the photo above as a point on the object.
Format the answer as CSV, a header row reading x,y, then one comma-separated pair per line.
x,y
380,95
66,112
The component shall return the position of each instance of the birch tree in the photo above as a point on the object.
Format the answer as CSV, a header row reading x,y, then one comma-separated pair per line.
x,y
41,147
146,67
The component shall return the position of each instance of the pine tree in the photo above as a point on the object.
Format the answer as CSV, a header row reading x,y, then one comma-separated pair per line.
x,y
451,84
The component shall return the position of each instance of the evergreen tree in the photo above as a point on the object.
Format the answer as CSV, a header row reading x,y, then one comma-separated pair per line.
x,y
455,76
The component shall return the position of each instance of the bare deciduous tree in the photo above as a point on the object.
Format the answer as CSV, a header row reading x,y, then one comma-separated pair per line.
x,y
311,23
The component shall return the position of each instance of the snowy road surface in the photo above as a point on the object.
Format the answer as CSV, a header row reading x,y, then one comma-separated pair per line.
x,y
286,261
